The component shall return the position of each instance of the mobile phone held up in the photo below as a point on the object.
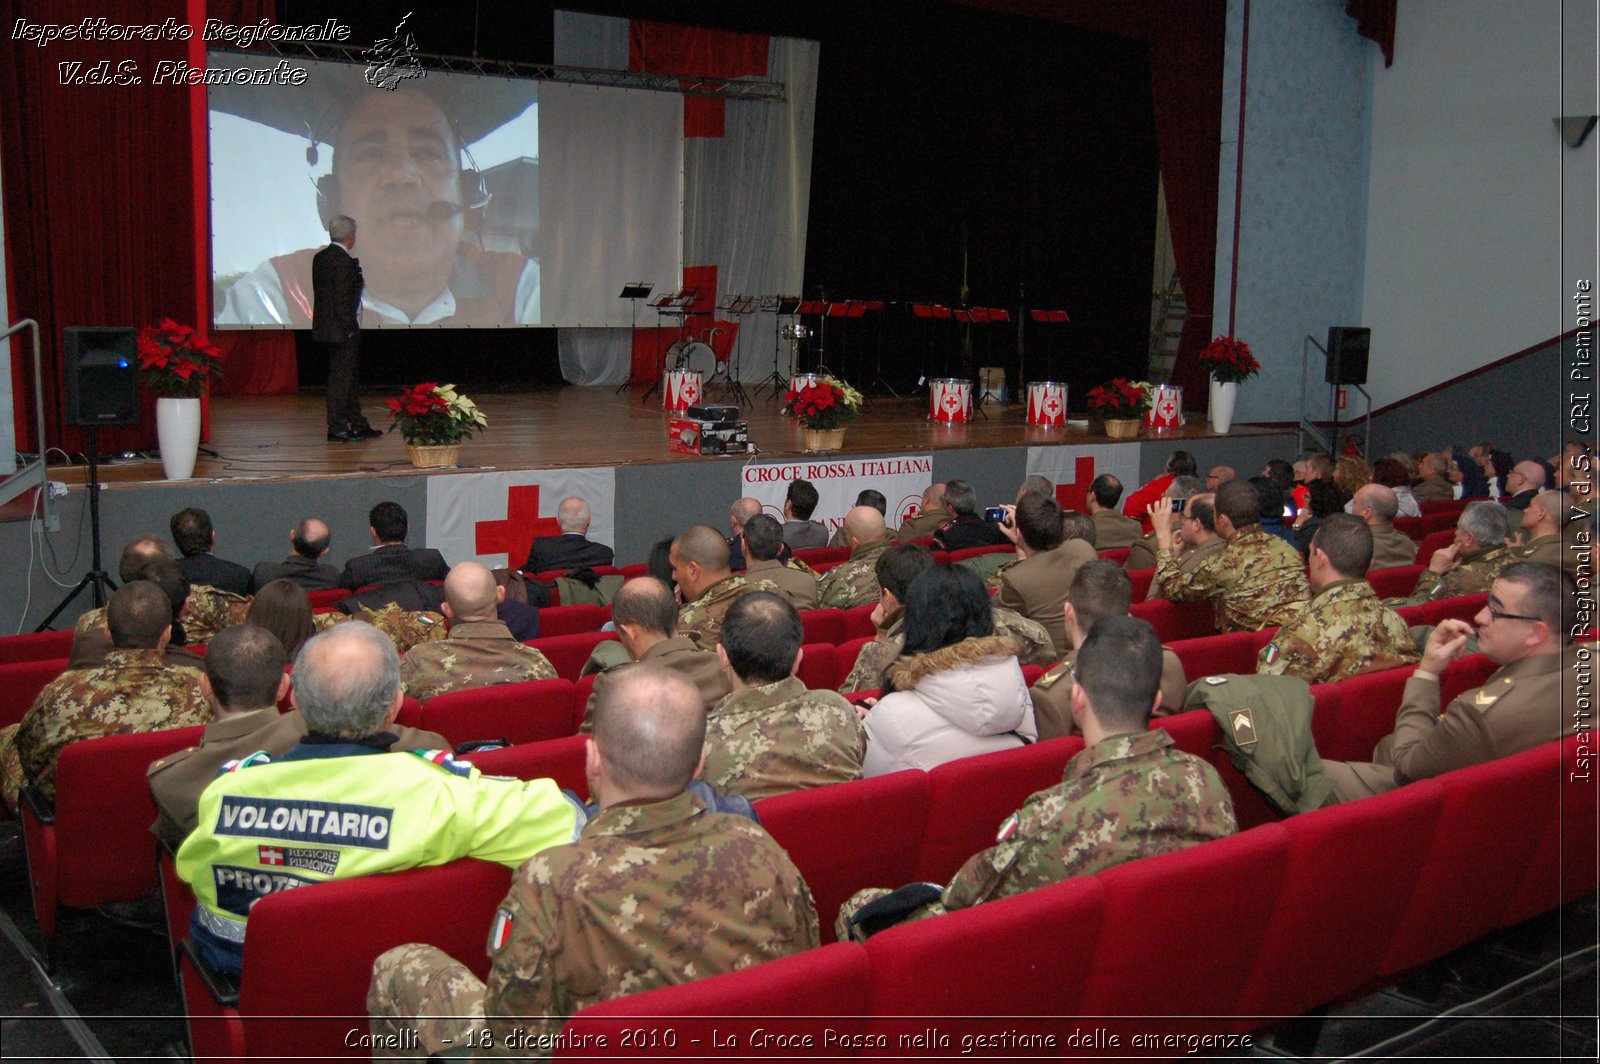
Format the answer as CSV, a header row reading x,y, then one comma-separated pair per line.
x,y
995,515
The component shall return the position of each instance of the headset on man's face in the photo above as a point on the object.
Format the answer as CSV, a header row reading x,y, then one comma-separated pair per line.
x,y
474,193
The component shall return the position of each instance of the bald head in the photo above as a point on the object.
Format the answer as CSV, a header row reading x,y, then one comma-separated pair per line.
x,y
1377,504
933,496
863,525
470,593
1218,476
1525,475
649,730
647,604
1545,513
1037,484
573,515
140,552
742,511
699,559
346,681
310,538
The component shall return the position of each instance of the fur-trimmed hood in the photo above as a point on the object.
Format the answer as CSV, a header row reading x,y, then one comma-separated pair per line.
x,y
975,685
907,672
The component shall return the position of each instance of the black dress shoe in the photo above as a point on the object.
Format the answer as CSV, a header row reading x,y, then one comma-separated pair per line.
x,y
342,436
368,433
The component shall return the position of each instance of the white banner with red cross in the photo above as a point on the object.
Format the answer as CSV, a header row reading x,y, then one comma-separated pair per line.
x,y
838,481
493,517
1072,469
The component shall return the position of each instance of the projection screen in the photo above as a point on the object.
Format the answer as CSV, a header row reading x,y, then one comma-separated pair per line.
x,y
479,201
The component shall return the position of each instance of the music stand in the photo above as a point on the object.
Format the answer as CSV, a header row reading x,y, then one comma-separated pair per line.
x,y
732,388
781,307
634,291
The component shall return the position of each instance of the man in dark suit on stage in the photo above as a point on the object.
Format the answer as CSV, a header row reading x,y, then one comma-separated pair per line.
x,y
309,541
572,549
390,559
192,532
336,327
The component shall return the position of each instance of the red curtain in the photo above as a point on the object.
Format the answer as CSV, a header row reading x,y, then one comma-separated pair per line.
x,y
1186,87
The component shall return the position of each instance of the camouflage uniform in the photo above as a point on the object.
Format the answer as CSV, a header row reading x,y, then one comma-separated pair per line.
x,y
205,612
682,656
1126,797
796,582
1257,581
476,654
923,525
1034,643
853,582
781,737
651,895
406,628
1344,631
701,620
134,691
1473,573
1188,559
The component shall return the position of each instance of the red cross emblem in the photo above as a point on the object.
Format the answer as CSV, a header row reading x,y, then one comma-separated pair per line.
x,y
1052,405
1075,495
1167,408
691,391
515,535
951,401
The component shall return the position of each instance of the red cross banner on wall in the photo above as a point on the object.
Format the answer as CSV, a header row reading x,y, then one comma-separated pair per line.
x,y
493,517
1073,469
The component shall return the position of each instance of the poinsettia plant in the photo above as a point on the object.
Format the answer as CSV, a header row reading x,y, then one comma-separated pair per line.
x,y
435,415
823,405
1229,360
1119,399
177,361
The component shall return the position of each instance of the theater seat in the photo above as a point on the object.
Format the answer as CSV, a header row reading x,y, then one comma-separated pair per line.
x,y
1432,540
1115,554
557,759
520,712
568,652
819,667
20,684
1462,607
35,646
1214,655
1177,620
823,626
858,622
568,620
1141,579
1394,582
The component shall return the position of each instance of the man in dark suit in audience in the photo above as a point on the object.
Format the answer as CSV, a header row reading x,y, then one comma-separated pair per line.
x,y
309,542
572,549
192,532
390,559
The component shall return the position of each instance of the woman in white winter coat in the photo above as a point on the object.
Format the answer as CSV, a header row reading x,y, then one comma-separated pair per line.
x,y
956,689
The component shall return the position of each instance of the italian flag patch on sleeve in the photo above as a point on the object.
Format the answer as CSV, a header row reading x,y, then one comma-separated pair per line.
x,y
500,930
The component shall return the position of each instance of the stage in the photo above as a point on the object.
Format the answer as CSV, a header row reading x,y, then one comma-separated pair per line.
x,y
267,464
255,438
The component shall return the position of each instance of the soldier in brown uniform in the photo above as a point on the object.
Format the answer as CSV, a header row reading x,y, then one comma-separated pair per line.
x,y
136,690
480,650
1256,581
1435,484
1467,566
1099,590
1036,585
243,682
1541,530
700,569
1528,701
853,582
1378,506
1127,794
763,537
772,735
1345,629
696,893
1142,552
646,618
927,520
1111,529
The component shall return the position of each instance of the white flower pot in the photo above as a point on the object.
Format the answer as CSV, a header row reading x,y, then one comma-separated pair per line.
x,y
178,434
1223,398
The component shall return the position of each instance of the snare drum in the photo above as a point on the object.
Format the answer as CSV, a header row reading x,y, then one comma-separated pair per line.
x,y
680,390
949,400
1047,403
1166,408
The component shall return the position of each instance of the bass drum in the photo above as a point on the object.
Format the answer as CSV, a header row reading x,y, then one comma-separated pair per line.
x,y
693,354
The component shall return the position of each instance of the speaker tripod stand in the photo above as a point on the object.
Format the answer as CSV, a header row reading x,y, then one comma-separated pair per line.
x,y
96,579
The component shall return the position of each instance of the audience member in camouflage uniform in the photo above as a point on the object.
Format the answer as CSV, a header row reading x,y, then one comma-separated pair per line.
x,y
136,690
1047,560
1257,581
90,646
854,582
1194,538
1377,505
865,497
931,517
480,650
707,585
772,735
698,893
763,538
1099,590
405,628
1127,794
646,619
1471,562
894,569
1345,629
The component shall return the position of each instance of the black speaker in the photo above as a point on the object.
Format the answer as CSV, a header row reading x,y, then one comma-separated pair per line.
x,y
101,371
1347,354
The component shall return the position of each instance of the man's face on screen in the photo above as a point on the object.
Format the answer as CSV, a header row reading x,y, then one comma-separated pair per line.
x,y
399,177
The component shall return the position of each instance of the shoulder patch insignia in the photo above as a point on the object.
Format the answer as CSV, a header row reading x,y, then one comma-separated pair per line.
x,y
1244,729
1272,653
445,760
1049,679
500,930
1008,828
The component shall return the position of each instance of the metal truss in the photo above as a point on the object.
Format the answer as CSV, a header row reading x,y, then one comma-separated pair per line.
x,y
685,84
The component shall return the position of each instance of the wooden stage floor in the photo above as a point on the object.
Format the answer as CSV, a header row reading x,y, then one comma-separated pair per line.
x,y
269,438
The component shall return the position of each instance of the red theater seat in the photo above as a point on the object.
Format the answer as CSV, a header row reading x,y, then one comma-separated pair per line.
x,y
1177,620
1214,655
1395,582
326,597
823,626
35,646
1562,869
519,712
819,667
829,556
858,622
1115,554
568,652
557,759
845,659
1141,579
1462,607
1443,506
847,836
569,620
1432,541
1410,527
20,684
